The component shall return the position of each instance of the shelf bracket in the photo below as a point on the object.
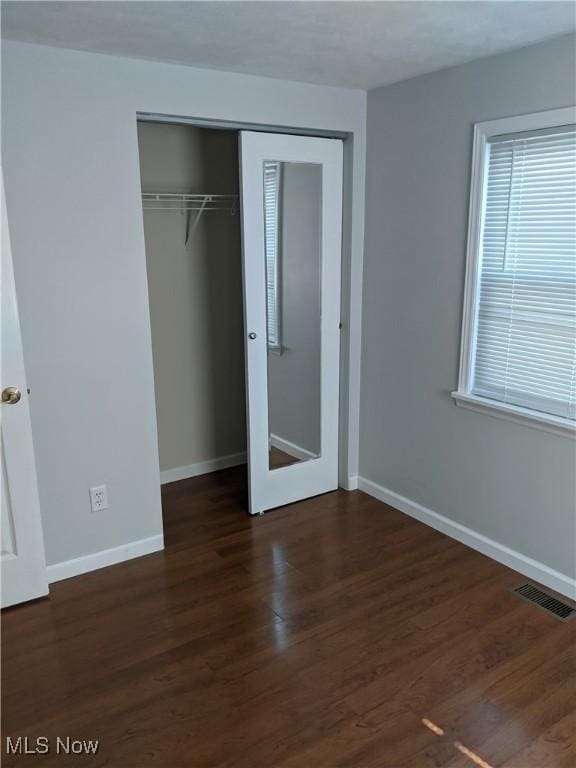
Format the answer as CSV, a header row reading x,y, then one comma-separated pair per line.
x,y
190,229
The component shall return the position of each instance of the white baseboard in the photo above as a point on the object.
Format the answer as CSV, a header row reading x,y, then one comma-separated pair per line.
x,y
291,448
525,565
202,468
79,565
351,483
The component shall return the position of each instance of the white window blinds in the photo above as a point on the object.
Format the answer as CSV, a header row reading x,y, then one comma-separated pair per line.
x,y
272,246
525,343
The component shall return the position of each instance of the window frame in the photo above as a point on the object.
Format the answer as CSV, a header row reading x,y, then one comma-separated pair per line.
x,y
463,396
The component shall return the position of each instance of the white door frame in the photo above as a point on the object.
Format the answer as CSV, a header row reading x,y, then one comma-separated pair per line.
x,y
351,286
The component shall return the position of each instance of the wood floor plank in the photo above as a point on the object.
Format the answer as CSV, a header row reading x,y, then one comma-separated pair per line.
x,y
335,632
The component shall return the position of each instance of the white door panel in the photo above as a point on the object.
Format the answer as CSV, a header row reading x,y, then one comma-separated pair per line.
x,y
22,563
292,230
8,544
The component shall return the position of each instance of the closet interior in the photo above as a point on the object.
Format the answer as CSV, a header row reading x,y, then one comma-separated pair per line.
x,y
193,259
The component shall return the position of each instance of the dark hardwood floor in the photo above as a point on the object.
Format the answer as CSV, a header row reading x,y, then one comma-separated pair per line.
x,y
335,632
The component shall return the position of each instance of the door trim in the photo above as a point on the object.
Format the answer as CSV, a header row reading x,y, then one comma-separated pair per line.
x,y
351,275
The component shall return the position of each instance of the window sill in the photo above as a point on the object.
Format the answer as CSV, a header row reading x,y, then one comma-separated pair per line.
x,y
555,424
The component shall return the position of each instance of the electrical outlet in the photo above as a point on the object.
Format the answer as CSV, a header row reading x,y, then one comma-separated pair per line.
x,y
99,498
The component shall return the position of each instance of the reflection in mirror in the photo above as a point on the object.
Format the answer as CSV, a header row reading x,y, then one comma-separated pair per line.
x,y
292,228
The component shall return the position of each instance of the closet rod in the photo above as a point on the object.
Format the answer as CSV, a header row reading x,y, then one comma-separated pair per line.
x,y
163,201
189,208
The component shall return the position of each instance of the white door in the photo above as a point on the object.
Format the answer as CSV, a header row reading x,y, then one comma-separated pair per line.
x,y
22,564
291,235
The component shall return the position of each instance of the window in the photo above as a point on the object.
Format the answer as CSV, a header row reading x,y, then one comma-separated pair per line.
x,y
272,250
519,331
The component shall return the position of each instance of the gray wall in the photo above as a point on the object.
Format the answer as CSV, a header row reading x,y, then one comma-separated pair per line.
x,y
509,482
294,376
195,295
70,159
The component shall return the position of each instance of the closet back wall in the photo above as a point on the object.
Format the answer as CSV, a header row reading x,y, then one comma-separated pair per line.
x,y
195,295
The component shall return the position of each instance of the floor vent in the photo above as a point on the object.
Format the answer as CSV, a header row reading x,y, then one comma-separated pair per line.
x,y
538,597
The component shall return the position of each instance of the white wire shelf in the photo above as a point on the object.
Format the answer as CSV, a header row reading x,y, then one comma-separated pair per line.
x,y
187,203
176,201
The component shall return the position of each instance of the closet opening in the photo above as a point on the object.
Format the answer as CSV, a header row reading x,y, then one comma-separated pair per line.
x,y
190,193
192,229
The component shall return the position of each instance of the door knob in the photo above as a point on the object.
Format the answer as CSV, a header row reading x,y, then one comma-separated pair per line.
x,y
252,336
11,395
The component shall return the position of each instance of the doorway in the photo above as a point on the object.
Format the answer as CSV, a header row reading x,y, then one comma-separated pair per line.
x,y
245,349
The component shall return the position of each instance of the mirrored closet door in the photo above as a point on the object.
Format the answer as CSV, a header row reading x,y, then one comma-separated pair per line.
x,y
291,190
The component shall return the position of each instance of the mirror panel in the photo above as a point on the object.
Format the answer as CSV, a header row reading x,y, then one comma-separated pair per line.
x,y
293,230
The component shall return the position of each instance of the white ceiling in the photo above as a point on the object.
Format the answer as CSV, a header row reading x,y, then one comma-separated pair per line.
x,y
355,44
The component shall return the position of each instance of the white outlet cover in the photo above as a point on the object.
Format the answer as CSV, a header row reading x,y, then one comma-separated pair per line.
x,y
99,498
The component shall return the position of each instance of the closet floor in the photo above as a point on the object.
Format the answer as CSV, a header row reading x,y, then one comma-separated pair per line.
x,y
334,632
278,458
